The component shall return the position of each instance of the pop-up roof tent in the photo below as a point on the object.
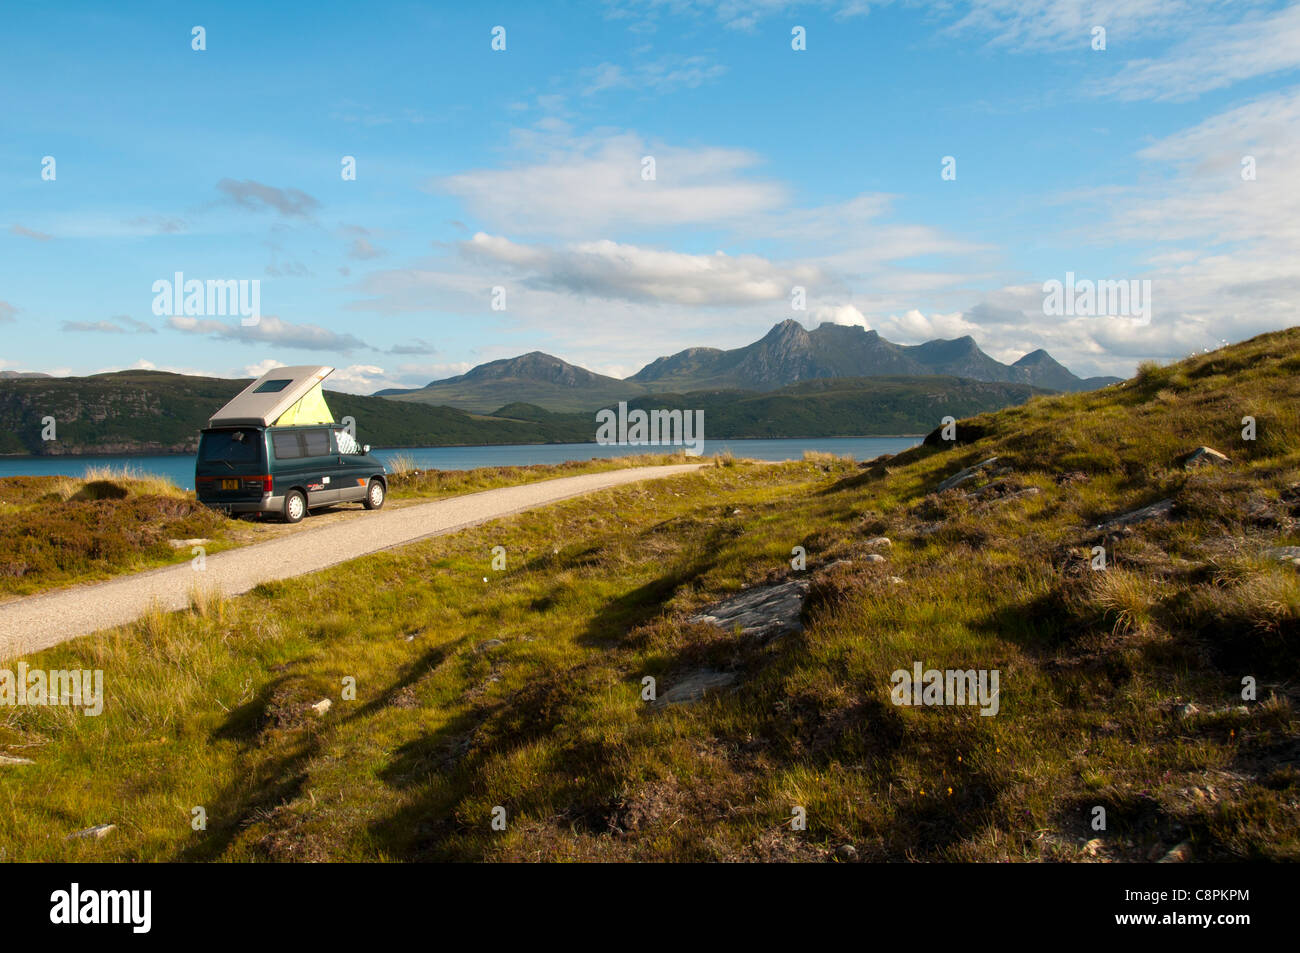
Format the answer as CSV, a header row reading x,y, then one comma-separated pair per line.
x,y
283,396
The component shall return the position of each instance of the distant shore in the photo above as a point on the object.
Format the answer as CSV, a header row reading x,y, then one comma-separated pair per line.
x,y
451,446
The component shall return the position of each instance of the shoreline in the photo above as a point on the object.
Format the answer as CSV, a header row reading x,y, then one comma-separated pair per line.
x,y
648,448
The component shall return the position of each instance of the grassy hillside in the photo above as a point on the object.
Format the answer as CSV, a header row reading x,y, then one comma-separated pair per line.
x,y
847,407
486,396
56,531
153,411
522,689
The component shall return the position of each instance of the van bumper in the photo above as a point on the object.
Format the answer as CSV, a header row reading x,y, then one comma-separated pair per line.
x,y
267,504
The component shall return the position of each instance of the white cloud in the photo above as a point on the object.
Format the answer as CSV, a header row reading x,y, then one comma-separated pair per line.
x,y
1213,56
587,186
664,75
270,330
845,314
607,269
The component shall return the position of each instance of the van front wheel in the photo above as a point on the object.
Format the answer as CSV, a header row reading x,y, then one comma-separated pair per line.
x,y
295,507
375,495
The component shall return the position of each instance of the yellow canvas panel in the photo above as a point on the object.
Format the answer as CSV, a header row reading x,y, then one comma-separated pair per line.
x,y
310,409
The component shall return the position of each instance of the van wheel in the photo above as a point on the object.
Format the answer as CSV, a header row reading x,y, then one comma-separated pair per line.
x,y
375,494
295,507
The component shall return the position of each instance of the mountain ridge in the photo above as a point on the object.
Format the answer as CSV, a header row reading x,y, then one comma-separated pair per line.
x,y
787,354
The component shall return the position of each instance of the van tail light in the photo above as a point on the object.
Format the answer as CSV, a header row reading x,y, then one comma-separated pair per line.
x,y
265,480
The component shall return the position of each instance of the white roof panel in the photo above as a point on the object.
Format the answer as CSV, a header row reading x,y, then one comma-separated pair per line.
x,y
262,402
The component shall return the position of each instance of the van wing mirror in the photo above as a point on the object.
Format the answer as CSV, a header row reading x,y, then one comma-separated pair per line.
x,y
366,448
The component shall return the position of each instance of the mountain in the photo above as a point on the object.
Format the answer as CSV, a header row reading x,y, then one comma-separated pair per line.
x,y
790,353
532,378
159,412
787,354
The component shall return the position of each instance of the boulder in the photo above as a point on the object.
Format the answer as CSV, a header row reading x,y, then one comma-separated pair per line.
x,y
693,686
1203,457
98,832
1157,510
14,759
965,475
765,612
187,543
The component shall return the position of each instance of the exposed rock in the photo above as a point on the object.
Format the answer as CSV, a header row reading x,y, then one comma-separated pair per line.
x,y
847,853
322,706
1285,554
98,832
962,476
1157,510
879,541
1178,855
765,612
873,558
992,488
187,543
14,759
1204,456
693,687
896,580
489,644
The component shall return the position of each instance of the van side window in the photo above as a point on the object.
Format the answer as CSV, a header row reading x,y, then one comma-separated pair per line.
x,y
286,445
318,442
346,442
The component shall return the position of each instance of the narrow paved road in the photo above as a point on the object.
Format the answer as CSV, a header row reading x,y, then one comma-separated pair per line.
x,y
37,622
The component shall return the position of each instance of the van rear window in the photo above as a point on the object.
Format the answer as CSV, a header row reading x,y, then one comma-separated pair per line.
x,y
286,444
231,446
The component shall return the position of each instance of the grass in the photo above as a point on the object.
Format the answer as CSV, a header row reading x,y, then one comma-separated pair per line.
x,y
56,531
60,530
521,688
408,482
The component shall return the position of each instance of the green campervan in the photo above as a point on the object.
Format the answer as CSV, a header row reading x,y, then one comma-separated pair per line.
x,y
275,448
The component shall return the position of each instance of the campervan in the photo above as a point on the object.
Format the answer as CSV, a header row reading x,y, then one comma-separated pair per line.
x,y
275,448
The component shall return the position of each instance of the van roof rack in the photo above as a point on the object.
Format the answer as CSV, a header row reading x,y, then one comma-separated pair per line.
x,y
264,401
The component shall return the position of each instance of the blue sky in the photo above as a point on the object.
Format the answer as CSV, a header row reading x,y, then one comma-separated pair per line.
x,y
521,169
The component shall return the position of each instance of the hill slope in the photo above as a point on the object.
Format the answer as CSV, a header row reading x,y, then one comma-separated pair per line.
x,y
845,407
1160,689
158,412
533,378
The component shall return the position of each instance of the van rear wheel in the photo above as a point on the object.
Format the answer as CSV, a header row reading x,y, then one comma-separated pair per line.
x,y
375,494
295,507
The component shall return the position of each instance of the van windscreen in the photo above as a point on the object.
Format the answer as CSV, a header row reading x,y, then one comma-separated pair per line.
x,y
231,446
